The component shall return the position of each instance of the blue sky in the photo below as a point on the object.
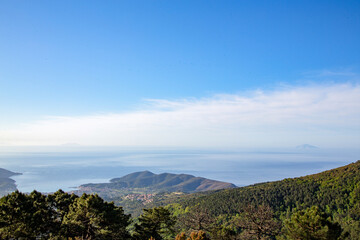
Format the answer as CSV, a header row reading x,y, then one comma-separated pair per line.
x,y
82,60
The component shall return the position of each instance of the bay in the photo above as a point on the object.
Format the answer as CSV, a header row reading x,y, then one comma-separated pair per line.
x,y
51,168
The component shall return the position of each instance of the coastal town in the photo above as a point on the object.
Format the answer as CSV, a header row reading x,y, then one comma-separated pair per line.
x,y
144,198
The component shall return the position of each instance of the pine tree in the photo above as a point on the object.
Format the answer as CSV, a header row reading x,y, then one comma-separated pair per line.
x,y
155,222
25,216
258,222
311,224
89,217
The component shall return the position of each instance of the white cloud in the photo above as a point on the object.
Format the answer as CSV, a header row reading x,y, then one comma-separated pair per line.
x,y
326,115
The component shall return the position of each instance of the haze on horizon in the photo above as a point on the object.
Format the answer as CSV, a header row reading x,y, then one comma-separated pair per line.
x,y
180,73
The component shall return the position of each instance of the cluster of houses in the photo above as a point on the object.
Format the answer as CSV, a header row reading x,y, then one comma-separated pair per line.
x,y
144,198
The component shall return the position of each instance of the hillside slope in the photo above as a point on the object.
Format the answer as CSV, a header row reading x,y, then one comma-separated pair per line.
x,y
335,190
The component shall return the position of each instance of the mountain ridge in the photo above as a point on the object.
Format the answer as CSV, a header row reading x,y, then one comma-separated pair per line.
x,y
161,182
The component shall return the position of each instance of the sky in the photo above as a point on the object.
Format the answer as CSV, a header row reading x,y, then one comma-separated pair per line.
x,y
180,73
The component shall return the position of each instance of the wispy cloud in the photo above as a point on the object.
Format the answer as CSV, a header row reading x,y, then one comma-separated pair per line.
x,y
333,74
324,115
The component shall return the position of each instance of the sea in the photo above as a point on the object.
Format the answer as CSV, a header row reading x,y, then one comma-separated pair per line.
x,y
48,169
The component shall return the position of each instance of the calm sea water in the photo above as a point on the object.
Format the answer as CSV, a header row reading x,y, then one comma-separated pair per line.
x,y
48,170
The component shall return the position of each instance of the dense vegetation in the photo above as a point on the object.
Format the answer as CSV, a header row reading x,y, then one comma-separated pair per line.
x,y
335,192
320,206
60,216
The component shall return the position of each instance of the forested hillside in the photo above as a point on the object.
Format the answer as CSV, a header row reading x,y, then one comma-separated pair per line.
x,y
335,192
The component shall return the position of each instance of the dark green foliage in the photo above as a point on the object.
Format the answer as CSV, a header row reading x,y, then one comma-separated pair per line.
x,y
336,191
258,223
89,217
223,233
133,207
60,215
60,202
196,219
25,216
157,223
311,224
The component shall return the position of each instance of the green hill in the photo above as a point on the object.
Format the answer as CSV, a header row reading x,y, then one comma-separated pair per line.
x,y
336,192
165,182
